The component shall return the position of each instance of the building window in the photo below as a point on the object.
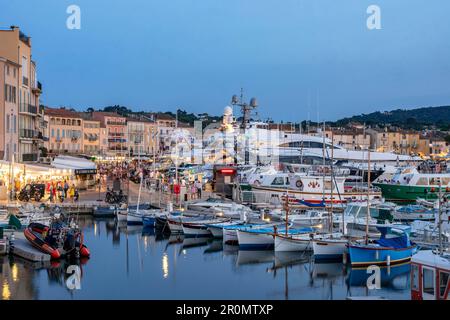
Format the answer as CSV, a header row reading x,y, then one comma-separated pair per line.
x,y
8,121
53,133
25,71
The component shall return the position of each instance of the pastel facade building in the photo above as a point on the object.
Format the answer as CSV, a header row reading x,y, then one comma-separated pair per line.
x,y
21,131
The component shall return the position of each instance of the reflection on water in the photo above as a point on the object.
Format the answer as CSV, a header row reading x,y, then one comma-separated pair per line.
x,y
132,262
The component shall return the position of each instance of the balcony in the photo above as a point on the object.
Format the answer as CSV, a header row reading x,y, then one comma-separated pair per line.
x,y
30,134
29,157
28,108
116,134
37,88
115,123
117,148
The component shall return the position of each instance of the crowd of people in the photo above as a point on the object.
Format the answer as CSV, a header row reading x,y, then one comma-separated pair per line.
x,y
62,191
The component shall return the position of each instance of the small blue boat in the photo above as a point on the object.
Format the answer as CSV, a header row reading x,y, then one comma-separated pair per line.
x,y
149,221
384,251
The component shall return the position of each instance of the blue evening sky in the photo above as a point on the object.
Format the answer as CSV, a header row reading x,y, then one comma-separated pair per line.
x,y
300,58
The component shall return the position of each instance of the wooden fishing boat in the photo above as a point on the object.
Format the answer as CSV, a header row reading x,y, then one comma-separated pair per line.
x,y
384,251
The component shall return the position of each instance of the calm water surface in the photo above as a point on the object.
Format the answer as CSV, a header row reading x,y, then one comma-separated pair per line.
x,y
135,263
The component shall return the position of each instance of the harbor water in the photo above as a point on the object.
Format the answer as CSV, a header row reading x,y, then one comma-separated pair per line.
x,y
132,262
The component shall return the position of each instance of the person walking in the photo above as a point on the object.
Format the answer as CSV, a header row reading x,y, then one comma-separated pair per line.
x,y
198,185
72,192
53,192
66,188
50,190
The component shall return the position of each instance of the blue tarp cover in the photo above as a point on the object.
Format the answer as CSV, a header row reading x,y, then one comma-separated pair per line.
x,y
397,243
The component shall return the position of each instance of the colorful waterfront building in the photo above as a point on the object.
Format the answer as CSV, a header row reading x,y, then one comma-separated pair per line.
x,y
65,131
21,132
116,129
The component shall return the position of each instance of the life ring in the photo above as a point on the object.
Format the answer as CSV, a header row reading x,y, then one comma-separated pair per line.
x,y
299,184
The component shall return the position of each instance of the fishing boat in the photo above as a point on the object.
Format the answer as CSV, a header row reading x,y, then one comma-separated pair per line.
x,y
411,183
199,228
134,218
149,217
263,238
230,232
175,222
216,229
301,242
384,251
329,247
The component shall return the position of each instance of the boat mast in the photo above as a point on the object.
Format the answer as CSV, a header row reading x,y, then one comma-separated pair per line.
x,y
368,193
332,180
286,209
323,161
439,218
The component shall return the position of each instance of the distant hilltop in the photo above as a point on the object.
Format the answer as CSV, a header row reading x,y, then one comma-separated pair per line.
x,y
438,117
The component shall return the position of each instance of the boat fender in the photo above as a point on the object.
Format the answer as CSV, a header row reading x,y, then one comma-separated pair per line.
x,y
388,260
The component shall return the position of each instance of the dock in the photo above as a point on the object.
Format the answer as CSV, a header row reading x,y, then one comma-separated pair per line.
x,y
22,248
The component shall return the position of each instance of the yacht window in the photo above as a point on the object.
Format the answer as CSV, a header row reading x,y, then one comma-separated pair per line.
x,y
415,275
443,282
278,181
287,180
422,181
428,281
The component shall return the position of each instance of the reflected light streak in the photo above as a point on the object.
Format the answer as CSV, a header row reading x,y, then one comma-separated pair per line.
x,y
6,294
165,266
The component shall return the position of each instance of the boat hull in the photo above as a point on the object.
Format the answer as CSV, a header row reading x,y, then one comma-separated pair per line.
x,y
217,232
394,192
175,226
362,255
329,249
283,243
149,221
255,241
133,219
121,215
35,234
230,236
195,231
